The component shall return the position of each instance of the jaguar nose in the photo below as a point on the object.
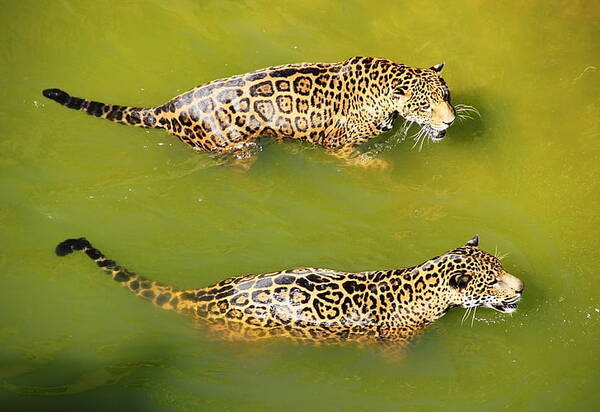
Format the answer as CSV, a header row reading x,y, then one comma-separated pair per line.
x,y
512,282
519,286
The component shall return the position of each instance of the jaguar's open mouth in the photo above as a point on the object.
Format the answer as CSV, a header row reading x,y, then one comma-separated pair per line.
x,y
433,134
506,307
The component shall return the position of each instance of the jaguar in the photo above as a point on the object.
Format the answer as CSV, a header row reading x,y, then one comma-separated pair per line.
x,y
330,306
335,105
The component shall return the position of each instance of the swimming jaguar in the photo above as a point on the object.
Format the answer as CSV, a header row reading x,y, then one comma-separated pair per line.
x,y
322,305
335,105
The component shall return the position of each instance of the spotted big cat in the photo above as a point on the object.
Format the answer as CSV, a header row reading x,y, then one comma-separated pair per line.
x,y
335,105
330,306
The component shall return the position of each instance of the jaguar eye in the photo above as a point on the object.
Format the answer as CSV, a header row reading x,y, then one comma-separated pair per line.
x,y
459,280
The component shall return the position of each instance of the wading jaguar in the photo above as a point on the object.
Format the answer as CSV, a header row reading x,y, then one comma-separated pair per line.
x,y
322,305
335,105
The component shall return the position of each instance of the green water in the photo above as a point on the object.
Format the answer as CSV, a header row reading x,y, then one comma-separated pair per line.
x,y
524,176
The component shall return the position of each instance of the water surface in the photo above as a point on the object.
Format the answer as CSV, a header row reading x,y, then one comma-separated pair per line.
x,y
524,176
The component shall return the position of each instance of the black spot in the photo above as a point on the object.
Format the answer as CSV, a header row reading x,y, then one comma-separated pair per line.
x,y
93,253
148,294
264,283
106,263
256,76
134,285
283,72
305,283
115,114
162,299
349,286
149,120
176,125
310,70
133,118
225,294
316,278
95,108
169,107
121,277
240,121
244,285
184,119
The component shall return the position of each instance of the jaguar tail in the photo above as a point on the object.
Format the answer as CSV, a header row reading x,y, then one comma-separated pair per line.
x,y
134,116
160,295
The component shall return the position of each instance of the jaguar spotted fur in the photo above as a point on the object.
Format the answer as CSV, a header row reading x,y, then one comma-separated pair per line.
x,y
335,105
322,305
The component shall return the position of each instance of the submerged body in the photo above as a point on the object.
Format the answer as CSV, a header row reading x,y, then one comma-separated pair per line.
x,y
322,305
335,105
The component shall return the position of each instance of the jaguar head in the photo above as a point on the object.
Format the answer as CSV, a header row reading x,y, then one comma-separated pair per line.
x,y
476,278
421,96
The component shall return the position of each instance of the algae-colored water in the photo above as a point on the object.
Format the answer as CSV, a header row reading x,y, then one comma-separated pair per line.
x,y
524,176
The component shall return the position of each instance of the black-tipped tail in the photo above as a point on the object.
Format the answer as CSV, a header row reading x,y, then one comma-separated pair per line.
x,y
133,116
70,245
163,296
57,95
92,108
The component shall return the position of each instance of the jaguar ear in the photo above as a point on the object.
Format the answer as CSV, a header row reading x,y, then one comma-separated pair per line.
x,y
473,242
438,67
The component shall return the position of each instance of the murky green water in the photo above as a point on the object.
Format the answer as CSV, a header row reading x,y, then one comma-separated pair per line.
x,y
524,176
